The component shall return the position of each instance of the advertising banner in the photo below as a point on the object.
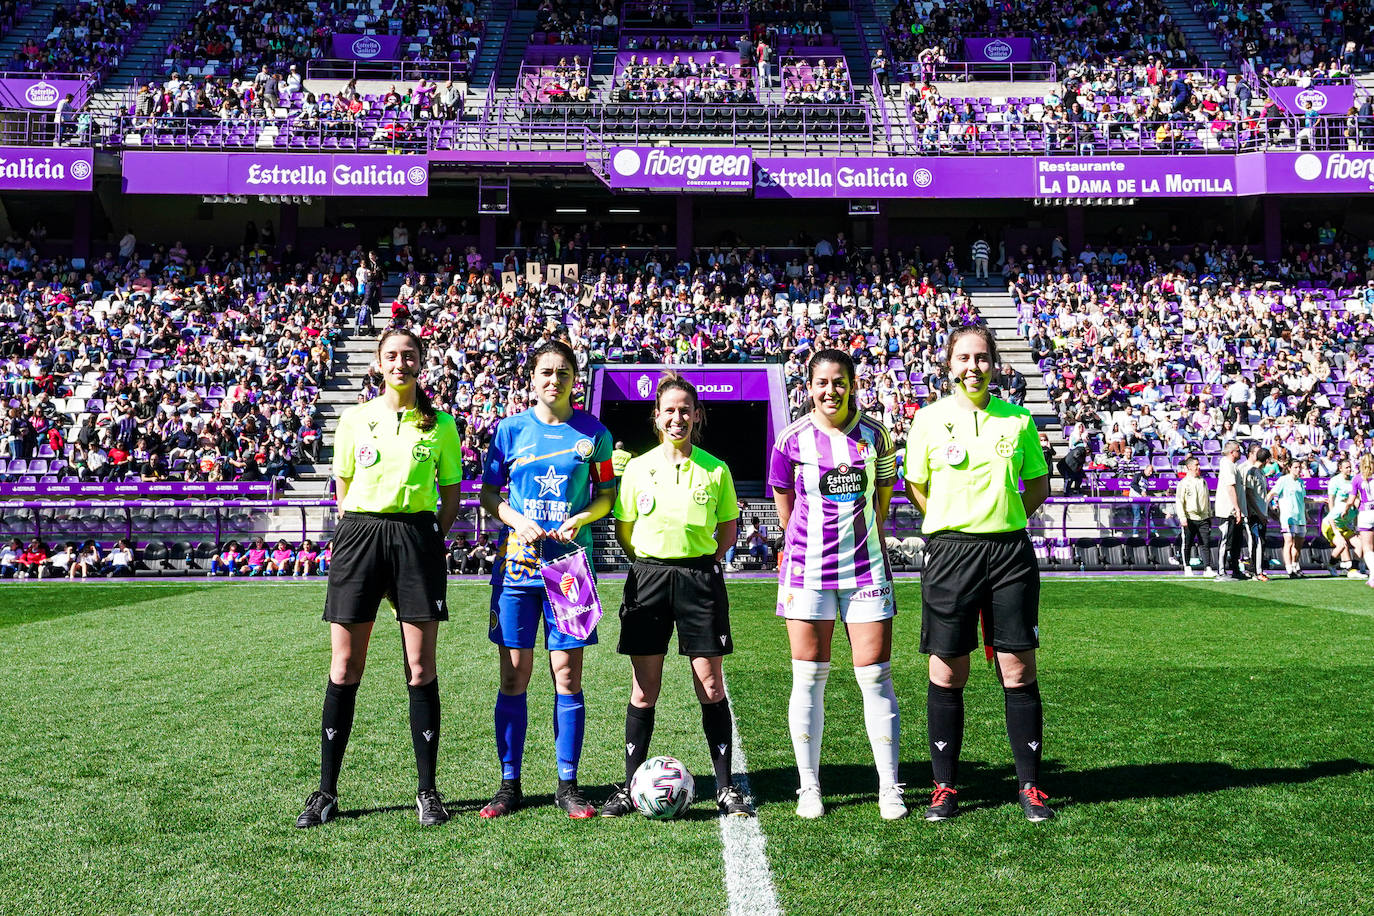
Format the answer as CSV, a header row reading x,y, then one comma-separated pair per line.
x,y
734,384
25,168
17,92
1319,173
308,174
1134,176
665,168
367,47
1327,100
997,50
892,176
135,489
1065,177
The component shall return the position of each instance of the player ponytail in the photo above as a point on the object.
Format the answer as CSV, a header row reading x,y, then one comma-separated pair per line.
x,y
1366,465
670,381
976,330
423,405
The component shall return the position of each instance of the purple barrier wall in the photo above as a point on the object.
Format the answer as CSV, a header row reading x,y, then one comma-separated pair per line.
x,y
37,169
318,174
132,489
1327,100
665,168
16,92
997,50
366,47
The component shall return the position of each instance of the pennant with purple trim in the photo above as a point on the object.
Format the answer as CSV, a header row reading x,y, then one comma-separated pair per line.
x,y
572,594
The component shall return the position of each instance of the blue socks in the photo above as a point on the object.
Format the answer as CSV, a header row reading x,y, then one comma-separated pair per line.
x,y
569,725
512,718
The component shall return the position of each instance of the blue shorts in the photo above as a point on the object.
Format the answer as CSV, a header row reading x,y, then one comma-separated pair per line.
x,y
515,614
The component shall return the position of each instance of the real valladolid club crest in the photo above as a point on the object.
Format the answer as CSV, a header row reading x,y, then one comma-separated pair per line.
x,y
644,386
569,586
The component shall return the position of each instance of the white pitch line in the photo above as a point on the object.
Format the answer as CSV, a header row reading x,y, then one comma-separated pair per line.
x,y
748,879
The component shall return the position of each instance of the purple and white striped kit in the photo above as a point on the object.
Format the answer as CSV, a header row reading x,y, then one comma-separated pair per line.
x,y
832,538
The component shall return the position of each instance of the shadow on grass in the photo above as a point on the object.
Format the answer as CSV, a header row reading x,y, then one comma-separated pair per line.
x,y
597,795
60,598
983,784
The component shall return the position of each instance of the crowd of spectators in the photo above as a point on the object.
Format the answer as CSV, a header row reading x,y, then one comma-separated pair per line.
x,y
231,38
1155,351
817,81
891,310
87,38
149,363
1146,105
1265,34
575,24
925,32
712,81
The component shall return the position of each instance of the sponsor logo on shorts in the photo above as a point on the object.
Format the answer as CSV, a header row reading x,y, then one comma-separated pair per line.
x,y
493,622
877,591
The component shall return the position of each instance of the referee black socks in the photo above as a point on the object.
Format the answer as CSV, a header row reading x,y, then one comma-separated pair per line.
x,y
945,722
639,730
715,721
1025,730
335,726
424,730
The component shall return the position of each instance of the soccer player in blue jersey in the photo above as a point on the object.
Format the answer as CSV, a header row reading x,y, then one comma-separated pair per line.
x,y
556,461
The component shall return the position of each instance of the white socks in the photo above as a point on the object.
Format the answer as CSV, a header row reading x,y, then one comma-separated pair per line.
x,y
881,717
806,717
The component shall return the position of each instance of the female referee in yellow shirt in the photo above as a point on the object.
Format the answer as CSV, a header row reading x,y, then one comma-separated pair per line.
x,y
675,515
389,454
968,456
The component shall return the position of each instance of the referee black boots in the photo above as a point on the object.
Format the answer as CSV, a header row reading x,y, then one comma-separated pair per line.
x,y
320,808
430,807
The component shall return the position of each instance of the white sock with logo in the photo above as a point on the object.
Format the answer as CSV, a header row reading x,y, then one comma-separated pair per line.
x,y
881,717
806,717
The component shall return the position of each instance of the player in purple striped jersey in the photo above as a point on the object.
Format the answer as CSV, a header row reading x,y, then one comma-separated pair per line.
x,y
832,474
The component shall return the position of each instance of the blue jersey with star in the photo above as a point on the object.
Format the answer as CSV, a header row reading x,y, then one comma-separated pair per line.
x,y
553,471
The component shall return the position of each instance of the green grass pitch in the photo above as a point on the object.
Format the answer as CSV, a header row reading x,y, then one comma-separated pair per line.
x,y
1210,748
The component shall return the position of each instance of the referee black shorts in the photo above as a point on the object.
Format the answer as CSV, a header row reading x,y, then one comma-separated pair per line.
x,y
387,553
689,593
965,574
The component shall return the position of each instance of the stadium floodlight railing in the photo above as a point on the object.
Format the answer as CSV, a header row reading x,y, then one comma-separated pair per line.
x,y
1105,534
395,71
968,71
375,134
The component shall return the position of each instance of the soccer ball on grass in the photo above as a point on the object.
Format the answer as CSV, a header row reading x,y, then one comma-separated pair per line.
x,y
662,788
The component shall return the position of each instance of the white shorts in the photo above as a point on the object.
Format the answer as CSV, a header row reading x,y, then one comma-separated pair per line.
x,y
1365,520
869,604
1294,526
